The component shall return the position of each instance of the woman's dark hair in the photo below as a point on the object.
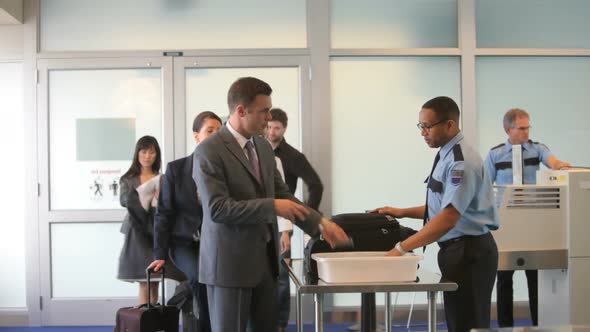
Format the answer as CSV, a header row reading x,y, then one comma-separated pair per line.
x,y
144,143
201,118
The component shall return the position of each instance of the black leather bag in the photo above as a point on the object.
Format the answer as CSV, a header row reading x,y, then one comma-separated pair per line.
x,y
183,300
147,317
368,232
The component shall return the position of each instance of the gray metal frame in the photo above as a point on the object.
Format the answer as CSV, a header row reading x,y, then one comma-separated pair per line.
x,y
428,282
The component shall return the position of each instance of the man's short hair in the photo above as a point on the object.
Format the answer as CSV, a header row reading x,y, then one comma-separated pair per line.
x,y
445,108
279,115
201,118
512,115
244,91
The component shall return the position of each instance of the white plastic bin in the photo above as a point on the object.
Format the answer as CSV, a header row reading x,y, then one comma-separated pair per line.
x,y
366,266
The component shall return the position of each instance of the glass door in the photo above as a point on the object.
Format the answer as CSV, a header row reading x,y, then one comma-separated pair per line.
x,y
201,84
91,113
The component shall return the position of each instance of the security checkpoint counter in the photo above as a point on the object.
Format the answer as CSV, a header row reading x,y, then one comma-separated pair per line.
x,y
427,281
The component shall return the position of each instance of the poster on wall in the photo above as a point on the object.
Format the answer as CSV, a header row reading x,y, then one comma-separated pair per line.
x,y
102,153
105,147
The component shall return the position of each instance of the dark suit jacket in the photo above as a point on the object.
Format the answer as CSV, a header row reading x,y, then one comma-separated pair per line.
x,y
238,211
296,166
179,212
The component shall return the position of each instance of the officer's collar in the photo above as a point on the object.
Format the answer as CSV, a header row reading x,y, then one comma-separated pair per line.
x,y
524,145
449,146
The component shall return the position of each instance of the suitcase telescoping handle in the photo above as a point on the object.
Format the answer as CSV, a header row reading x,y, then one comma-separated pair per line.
x,y
148,273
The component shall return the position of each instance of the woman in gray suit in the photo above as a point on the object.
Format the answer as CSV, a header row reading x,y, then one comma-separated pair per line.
x,y
137,251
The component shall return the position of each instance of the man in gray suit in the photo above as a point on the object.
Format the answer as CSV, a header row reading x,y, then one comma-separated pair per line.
x,y
242,194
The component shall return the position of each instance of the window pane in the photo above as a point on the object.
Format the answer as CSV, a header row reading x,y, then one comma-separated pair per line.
x,y
12,198
378,155
87,254
206,90
533,23
153,25
394,24
554,90
95,119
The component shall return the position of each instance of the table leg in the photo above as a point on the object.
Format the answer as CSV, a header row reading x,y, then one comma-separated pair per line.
x,y
431,311
299,312
387,312
319,312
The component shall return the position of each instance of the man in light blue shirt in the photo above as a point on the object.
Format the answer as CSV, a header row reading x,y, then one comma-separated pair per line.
x,y
499,165
459,214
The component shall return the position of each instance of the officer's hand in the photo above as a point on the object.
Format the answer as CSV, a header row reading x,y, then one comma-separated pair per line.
x,y
285,242
562,165
334,234
393,252
157,265
290,210
394,212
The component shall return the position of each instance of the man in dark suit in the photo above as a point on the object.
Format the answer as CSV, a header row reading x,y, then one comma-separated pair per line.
x,y
178,219
242,193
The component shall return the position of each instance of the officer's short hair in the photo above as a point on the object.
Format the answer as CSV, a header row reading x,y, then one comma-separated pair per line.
x,y
279,115
201,118
445,108
244,91
512,115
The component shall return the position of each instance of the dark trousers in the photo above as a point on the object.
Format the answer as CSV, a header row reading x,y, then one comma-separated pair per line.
x,y
186,258
471,262
284,291
235,309
505,297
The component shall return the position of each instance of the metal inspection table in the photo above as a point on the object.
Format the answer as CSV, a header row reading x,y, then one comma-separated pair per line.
x,y
427,281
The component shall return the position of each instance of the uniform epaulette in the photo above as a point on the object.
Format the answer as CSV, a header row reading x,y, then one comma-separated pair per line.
x,y
458,153
538,143
498,146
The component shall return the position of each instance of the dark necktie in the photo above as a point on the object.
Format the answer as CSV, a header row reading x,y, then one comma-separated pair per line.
x,y
436,160
253,159
255,165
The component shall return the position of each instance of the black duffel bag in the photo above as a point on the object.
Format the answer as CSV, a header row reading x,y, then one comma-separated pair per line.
x,y
368,232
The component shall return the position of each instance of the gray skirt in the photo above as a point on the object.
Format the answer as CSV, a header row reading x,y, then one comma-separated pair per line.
x,y
137,253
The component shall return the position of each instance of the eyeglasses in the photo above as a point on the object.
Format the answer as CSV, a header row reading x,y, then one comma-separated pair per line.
x,y
428,127
522,128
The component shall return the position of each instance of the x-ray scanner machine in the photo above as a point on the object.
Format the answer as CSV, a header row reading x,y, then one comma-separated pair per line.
x,y
546,227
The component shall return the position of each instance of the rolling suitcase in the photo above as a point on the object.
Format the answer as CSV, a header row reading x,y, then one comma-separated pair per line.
x,y
148,317
368,232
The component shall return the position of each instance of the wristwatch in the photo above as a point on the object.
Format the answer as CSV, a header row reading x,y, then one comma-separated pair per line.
x,y
398,247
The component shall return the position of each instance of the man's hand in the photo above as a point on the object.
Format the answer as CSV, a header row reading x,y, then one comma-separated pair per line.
x,y
334,234
290,210
157,265
394,212
285,242
393,252
561,165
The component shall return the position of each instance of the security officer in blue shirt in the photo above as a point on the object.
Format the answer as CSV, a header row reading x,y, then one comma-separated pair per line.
x,y
498,163
459,214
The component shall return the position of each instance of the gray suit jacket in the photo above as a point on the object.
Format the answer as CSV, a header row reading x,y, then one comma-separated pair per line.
x,y
237,211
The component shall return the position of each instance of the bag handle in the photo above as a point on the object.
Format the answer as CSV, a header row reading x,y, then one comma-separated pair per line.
x,y
148,273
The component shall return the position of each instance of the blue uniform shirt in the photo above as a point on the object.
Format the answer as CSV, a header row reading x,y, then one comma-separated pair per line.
x,y
499,162
460,180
